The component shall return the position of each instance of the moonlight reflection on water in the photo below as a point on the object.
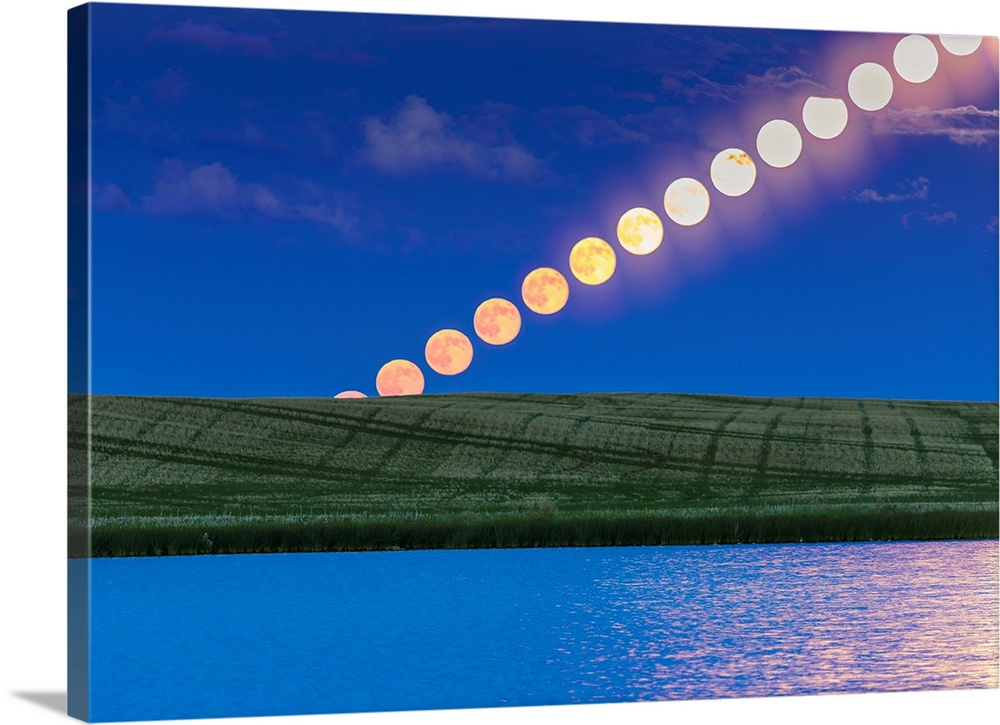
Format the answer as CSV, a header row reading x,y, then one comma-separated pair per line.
x,y
350,632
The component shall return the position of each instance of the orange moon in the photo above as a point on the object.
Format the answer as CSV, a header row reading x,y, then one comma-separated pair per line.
x,y
640,231
448,352
399,377
545,291
497,321
592,261
350,394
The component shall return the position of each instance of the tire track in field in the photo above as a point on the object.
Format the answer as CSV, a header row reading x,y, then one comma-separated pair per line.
x,y
986,440
405,436
151,424
521,429
232,462
708,462
919,449
664,467
868,445
760,469
450,437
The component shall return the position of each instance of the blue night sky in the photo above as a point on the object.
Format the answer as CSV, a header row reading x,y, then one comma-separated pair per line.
x,y
284,201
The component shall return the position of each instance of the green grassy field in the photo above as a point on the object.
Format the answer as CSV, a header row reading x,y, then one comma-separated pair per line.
x,y
187,475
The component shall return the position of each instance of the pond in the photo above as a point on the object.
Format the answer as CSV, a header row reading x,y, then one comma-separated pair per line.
x,y
248,635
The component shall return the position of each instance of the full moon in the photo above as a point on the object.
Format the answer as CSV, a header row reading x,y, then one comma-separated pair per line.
x,y
824,118
399,377
870,87
448,352
545,291
640,231
779,143
915,58
961,44
592,261
350,394
686,201
497,321
733,172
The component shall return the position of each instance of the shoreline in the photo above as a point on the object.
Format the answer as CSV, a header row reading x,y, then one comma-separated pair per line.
x,y
579,532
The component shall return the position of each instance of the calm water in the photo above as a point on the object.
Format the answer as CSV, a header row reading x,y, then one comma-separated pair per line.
x,y
216,636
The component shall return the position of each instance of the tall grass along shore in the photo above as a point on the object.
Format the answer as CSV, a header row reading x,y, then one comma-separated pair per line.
x,y
204,475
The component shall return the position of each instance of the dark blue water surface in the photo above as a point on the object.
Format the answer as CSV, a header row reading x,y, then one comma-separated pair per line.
x,y
238,636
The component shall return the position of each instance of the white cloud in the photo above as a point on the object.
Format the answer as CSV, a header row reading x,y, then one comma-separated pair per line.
x,y
214,190
965,125
917,189
935,219
419,138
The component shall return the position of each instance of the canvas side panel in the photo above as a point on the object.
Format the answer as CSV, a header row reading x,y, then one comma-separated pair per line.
x,y
78,363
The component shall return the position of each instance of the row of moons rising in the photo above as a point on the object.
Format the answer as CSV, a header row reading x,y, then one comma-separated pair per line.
x,y
592,260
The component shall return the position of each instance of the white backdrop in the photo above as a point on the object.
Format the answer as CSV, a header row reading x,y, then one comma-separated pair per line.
x,y
32,350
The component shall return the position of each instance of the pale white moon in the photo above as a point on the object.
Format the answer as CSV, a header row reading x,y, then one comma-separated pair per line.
x,y
733,172
961,44
686,201
350,394
640,231
915,58
824,118
779,143
870,87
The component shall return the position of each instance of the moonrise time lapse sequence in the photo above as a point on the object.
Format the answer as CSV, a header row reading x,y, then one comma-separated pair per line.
x,y
539,362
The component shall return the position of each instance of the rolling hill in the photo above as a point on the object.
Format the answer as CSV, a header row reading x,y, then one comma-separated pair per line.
x,y
186,475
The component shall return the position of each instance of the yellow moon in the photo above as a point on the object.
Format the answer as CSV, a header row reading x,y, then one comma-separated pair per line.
x,y
915,58
686,201
779,143
870,87
640,231
545,291
824,118
733,172
350,394
497,321
592,261
399,377
448,352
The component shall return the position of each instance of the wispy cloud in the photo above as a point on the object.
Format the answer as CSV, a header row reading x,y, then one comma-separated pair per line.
x,y
693,86
666,51
210,189
312,134
965,125
419,138
109,196
993,226
928,218
588,127
215,37
134,120
169,87
244,135
213,190
917,189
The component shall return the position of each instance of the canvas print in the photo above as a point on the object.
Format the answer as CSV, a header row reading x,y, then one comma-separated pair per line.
x,y
428,362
